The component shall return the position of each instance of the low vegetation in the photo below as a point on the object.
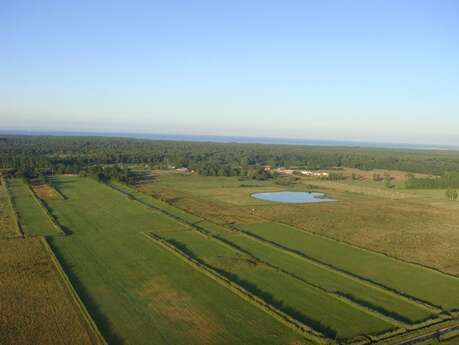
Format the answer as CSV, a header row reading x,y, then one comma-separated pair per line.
x,y
32,215
130,284
36,306
139,246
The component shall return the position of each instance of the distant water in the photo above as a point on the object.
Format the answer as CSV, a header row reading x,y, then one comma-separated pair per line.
x,y
293,197
236,139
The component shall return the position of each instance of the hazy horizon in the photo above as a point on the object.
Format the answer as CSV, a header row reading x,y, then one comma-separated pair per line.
x,y
381,71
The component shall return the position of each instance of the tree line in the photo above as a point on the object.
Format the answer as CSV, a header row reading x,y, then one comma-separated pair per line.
x,y
32,155
447,180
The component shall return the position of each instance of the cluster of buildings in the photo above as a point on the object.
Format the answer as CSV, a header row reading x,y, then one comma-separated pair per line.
x,y
314,173
286,171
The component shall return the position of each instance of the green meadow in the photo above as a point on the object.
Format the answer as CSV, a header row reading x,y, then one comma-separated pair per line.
x,y
32,216
137,292
413,280
178,287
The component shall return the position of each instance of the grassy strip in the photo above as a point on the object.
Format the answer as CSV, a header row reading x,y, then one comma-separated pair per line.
x,y
42,204
371,251
304,330
363,280
337,296
13,208
93,331
17,226
370,309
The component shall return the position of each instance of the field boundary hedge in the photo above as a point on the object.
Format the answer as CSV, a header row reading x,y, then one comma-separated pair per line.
x,y
93,330
14,213
301,328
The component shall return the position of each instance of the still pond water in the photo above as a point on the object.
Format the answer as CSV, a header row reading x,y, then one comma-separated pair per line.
x,y
293,197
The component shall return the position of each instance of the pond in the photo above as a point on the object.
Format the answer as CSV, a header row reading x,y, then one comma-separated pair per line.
x,y
293,197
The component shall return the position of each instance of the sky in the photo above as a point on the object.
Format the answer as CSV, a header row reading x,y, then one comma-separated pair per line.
x,y
380,70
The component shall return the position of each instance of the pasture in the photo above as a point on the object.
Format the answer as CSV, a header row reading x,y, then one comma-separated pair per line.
x,y
405,278
389,304
31,214
137,292
218,270
415,227
307,304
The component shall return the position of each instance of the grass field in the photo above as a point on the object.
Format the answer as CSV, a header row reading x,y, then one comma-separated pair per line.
x,y
312,306
31,215
140,291
332,281
410,279
35,305
136,291
420,227
361,292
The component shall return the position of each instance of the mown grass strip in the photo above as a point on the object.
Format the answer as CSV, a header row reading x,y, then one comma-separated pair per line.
x,y
304,330
333,270
93,331
343,299
434,308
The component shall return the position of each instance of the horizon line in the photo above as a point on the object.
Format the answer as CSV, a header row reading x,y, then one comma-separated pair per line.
x,y
232,139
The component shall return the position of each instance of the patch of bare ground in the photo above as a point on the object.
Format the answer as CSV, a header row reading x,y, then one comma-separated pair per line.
x,y
44,191
197,325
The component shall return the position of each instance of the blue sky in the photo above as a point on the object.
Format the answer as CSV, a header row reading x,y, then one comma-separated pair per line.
x,y
346,70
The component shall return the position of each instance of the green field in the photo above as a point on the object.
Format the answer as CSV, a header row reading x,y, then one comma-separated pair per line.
x,y
416,226
301,301
333,281
410,279
179,286
32,217
137,292
363,293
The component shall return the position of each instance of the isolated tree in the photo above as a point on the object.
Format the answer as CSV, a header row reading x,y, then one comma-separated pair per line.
x,y
451,194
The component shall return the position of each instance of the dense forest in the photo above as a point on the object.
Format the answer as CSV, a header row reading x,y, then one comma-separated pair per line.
x,y
52,154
